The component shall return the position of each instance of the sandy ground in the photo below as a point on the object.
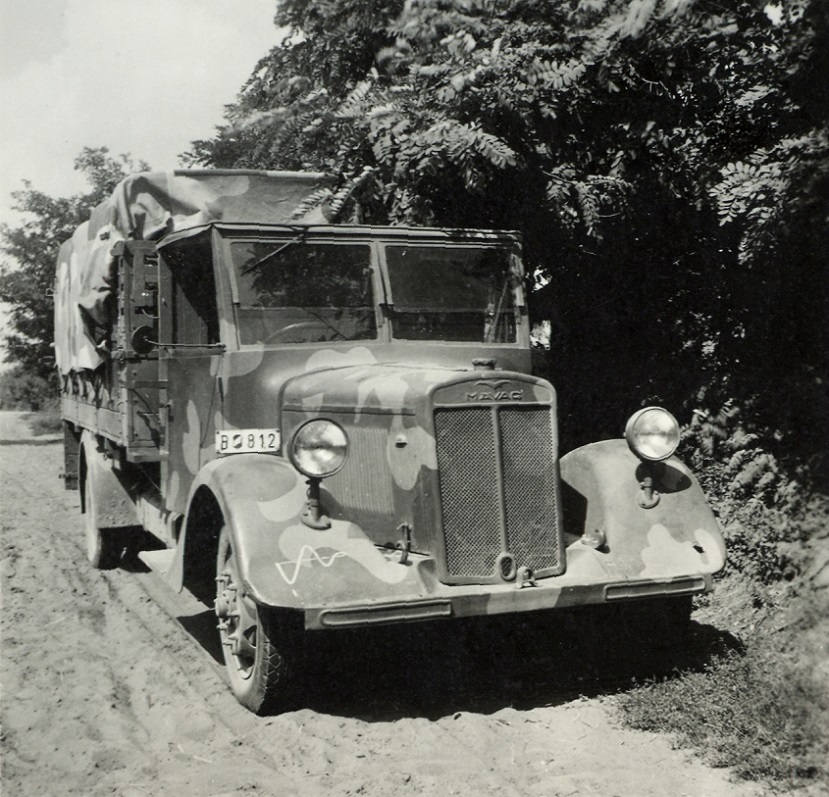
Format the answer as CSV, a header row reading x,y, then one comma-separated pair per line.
x,y
111,685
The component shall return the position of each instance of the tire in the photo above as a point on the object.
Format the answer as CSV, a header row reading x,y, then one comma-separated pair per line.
x,y
261,646
104,546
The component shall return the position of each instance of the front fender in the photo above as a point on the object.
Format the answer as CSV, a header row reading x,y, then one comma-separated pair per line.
x,y
283,562
601,492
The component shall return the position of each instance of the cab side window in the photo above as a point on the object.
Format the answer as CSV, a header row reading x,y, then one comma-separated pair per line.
x,y
195,317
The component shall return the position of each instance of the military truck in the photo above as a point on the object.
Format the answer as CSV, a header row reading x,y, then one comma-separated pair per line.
x,y
335,426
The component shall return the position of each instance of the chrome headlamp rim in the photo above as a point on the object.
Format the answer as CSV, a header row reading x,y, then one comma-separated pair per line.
x,y
670,433
338,446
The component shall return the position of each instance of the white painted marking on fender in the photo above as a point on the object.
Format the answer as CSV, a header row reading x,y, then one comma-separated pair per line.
x,y
306,554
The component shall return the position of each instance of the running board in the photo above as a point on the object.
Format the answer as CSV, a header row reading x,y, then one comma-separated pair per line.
x,y
158,561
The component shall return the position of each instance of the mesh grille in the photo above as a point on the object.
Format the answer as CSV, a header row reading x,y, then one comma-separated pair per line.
x,y
470,488
529,486
469,491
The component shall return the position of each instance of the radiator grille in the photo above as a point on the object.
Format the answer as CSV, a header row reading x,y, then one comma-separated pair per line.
x,y
468,491
529,486
487,512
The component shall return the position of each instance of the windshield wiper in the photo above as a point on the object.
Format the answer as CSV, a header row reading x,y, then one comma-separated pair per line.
x,y
271,255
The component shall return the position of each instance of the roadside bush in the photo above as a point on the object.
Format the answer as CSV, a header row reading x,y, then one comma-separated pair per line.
x,y
765,508
46,422
23,390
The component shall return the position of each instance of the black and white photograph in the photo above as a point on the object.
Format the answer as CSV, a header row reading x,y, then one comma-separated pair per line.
x,y
414,397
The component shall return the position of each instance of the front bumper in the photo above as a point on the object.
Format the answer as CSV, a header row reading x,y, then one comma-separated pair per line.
x,y
445,602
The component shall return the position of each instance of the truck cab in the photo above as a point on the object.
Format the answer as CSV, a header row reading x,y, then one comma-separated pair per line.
x,y
331,426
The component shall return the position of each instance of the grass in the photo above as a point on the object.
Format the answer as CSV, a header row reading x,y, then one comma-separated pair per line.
x,y
754,712
761,711
47,422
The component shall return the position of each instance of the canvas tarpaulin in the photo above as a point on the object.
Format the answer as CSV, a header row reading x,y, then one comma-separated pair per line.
x,y
148,206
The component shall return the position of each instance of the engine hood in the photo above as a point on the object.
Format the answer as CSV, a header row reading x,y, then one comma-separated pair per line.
x,y
401,390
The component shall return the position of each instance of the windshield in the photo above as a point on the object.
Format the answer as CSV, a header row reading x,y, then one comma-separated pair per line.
x,y
451,293
291,291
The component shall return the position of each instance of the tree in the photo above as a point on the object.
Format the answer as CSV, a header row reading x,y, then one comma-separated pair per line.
x,y
27,276
661,158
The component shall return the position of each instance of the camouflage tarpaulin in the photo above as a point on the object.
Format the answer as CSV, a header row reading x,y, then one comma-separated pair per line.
x,y
147,207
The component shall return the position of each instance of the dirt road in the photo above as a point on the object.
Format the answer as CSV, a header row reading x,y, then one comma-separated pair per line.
x,y
112,686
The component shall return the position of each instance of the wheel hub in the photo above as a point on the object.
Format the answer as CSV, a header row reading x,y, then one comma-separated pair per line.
x,y
230,609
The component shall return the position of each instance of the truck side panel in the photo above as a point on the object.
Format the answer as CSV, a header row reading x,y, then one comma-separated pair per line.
x,y
119,399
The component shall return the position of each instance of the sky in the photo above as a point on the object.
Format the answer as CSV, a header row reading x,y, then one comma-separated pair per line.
x,y
139,77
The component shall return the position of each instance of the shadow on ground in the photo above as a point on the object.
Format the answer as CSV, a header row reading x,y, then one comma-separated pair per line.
x,y
486,664
479,665
202,627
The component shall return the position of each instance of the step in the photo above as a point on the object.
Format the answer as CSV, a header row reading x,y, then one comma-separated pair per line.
x,y
158,561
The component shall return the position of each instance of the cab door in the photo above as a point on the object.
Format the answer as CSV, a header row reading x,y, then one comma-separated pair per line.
x,y
189,355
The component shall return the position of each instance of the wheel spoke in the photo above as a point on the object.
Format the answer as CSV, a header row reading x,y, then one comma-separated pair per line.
x,y
237,615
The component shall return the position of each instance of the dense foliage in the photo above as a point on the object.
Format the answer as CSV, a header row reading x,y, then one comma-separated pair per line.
x,y
666,160
20,389
28,272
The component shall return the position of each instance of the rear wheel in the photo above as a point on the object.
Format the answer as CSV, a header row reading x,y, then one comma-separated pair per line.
x,y
103,545
261,646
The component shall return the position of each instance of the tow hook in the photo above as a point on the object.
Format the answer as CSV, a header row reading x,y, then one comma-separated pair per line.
x,y
525,578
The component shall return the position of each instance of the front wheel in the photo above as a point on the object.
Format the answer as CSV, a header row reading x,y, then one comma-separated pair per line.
x,y
261,646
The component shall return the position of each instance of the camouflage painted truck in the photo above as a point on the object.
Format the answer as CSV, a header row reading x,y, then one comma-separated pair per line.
x,y
332,426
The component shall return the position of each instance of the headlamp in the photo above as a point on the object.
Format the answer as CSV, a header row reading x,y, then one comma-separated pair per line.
x,y
319,448
652,433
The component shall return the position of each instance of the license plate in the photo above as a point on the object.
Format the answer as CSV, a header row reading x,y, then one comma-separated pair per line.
x,y
247,441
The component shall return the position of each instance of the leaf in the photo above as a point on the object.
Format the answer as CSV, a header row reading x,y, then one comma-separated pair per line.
x,y
314,199
555,75
495,150
354,105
